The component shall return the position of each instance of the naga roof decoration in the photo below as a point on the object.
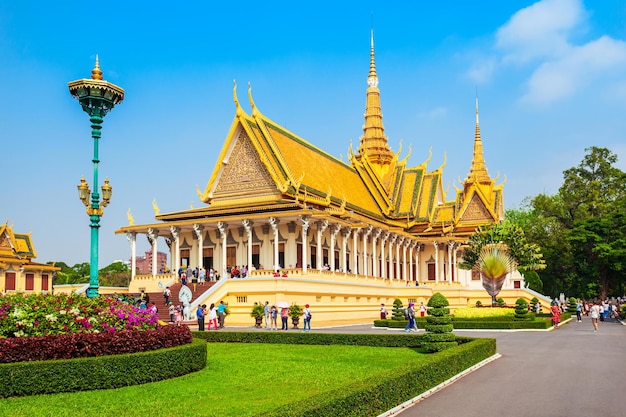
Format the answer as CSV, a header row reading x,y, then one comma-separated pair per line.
x,y
264,167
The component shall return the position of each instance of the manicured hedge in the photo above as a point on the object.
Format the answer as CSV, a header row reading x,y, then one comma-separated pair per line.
x,y
103,372
81,345
383,392
543,321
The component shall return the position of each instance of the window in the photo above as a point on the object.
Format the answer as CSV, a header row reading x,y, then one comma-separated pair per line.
x,y
44,282
517,284
9,281
30,282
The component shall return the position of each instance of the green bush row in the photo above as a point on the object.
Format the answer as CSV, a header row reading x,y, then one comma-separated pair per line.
x,y
375,395
103,372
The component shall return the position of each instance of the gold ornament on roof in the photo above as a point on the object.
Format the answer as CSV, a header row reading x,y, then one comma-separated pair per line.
x,y
155,207
131,220
96,72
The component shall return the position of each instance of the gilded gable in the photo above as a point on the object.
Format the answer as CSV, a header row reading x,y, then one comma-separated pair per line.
x,y
244,174
4,242
476,211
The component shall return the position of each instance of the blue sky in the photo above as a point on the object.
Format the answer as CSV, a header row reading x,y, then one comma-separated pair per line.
x,y
550,76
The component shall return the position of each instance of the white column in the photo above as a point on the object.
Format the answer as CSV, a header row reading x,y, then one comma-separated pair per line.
x,y
355,256
274,223
398,241
321,226
223,228
153,236
366,233
455,248
176,255
392,265
411,245
333,237
305,242
405,245
132,239
247,224
417,261
436,245
345,235
375,236
383,255
449,271
198,230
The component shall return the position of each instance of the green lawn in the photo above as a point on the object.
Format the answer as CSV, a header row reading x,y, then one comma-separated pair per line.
x,y
239,380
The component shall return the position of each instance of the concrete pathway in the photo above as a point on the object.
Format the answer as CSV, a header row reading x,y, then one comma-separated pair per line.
x,y
568,372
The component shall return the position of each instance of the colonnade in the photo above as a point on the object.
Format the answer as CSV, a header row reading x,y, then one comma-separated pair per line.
x,y
389,254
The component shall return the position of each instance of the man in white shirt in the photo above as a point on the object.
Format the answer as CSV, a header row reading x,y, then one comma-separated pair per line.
x,y
594,311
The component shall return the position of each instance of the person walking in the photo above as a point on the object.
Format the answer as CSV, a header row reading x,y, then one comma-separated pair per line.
x,y
172,310
307,318
221,314
166,294
200,312
410,311
556,314
212,317
594,312
284,316
383,312
579,311
266,313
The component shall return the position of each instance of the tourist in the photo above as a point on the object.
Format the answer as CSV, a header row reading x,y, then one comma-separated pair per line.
x,y
579,311
410,312
194,279
221,314
200,316
266,313
212,317
538,308
202,276
211,274
307,318
556,314
284,316
166,294
172,310
273,315
594,311
601,308
153,308
142,306
383,312
179,315
183,278
422,309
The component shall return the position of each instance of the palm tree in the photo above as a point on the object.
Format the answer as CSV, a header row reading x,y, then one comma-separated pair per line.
x,y
494,263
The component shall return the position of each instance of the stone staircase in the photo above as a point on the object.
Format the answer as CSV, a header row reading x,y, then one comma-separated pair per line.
x,y
159,300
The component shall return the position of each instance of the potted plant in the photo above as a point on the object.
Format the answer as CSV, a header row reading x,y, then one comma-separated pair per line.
x,y
295,311
258,312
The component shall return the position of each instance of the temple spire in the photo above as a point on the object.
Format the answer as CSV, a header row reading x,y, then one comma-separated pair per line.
x,y
478,170
374,142
96,72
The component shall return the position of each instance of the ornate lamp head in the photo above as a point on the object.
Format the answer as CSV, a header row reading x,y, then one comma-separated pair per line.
x,y
96,96
107,190
84,191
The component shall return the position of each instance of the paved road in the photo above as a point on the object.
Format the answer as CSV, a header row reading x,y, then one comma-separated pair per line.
x,y
568,372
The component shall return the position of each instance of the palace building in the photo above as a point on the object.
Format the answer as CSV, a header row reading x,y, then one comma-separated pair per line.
x,y
18,272
348,235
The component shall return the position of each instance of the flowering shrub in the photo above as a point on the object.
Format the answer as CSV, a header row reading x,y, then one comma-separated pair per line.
x,y
24,315
473,312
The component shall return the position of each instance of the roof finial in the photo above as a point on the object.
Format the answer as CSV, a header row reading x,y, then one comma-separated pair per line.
x,y
255,112
96,73
372,78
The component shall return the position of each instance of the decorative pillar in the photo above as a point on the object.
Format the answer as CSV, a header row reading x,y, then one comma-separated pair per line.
x,y
455,275
436,245
366,233
132,239
345,235
398,241
375,236
383,255
333,236
175,231
153,236
223,228
355,255
449,271
418,247
198,230
411,245
247,224
305,241
321,226
405,244
274,223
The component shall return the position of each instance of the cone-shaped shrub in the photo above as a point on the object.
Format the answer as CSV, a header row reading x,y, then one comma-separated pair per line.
x,y
521,309
398,310
439,325
533,303
571,307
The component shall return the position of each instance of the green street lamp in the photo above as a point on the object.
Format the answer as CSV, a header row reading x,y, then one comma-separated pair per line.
x,y
97,97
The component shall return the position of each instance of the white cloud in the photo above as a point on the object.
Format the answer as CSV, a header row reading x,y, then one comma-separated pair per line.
x,y
574,71
538,39
539,31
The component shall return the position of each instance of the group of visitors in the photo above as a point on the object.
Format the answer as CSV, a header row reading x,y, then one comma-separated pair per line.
x,y
598,311
198,275
271,317
215,314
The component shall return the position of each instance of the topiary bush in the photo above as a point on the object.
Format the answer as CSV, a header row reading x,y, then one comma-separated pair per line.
x,y
500,302
479,303
521,309
571,306
439,325
533,303
397,313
